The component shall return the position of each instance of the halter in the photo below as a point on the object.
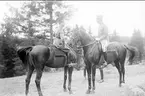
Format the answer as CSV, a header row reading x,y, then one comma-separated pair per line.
x,y
87,44
93,42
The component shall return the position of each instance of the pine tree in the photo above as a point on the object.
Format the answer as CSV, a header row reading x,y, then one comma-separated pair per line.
x,y
115,37
137,41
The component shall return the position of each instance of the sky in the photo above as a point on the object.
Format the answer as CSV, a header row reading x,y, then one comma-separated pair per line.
x,y
4,7
122,16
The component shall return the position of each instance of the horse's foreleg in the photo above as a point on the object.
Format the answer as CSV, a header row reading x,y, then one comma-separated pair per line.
x,y
70,70
37,81
65,78
28,78
123,73
89,79
93,76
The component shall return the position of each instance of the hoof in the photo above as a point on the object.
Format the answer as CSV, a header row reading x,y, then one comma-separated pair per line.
x,y
88,91
40,94
93,91
70,92
120,85
101,81
123,81
64,90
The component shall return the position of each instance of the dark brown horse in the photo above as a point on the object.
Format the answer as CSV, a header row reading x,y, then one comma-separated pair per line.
x,y
39,56
116,53
100,69
92,51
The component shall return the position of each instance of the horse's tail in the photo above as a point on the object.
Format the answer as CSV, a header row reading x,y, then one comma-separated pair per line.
x,y
23,54
132,51
31,59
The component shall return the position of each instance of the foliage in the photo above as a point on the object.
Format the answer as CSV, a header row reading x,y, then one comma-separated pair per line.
x,y
115,37
137,41
38,17
34,21
9,53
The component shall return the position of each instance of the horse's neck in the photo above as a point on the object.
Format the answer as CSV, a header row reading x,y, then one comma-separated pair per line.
x,y
86,39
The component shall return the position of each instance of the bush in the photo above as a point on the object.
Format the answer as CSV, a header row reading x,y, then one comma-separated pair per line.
x,y
10,59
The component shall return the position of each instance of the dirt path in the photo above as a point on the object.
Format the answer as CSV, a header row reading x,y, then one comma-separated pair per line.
x,y
51,83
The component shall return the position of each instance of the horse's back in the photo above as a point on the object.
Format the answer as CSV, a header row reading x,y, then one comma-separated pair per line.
x,y
117,47
40,49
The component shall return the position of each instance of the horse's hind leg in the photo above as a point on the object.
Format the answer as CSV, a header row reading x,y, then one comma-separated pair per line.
x,y
123,73
123,70
85,72
119,71
65,78
70,70
102,75
28,78
38,79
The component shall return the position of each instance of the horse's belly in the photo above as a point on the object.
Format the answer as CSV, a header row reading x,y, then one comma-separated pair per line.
x,y
57,63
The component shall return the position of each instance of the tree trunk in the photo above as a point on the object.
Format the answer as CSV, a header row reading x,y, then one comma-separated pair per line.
x,y
51,26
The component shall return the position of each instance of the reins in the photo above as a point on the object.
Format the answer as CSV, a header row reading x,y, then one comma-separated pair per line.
x,y
88,44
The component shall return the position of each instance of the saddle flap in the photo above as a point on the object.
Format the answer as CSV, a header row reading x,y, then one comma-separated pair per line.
x,y
60,51
65,50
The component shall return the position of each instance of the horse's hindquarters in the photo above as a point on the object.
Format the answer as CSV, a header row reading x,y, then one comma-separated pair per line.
x,y
111,56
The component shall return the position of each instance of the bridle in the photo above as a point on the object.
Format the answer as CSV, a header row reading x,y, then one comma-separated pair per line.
x,y
91,43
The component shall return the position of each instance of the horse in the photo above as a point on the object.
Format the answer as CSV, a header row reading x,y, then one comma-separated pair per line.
x,y
116,53
39,56
92,51
100,69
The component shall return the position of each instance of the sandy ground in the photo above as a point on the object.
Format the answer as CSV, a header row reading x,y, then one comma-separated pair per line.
x,y
51,83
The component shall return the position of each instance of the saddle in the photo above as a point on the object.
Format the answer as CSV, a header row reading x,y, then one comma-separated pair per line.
x,y
59,51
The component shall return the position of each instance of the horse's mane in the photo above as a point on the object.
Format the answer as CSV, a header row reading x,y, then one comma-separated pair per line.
x,y
85,34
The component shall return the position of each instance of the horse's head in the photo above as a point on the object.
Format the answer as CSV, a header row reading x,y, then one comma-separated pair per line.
x,y
75,37
79,35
